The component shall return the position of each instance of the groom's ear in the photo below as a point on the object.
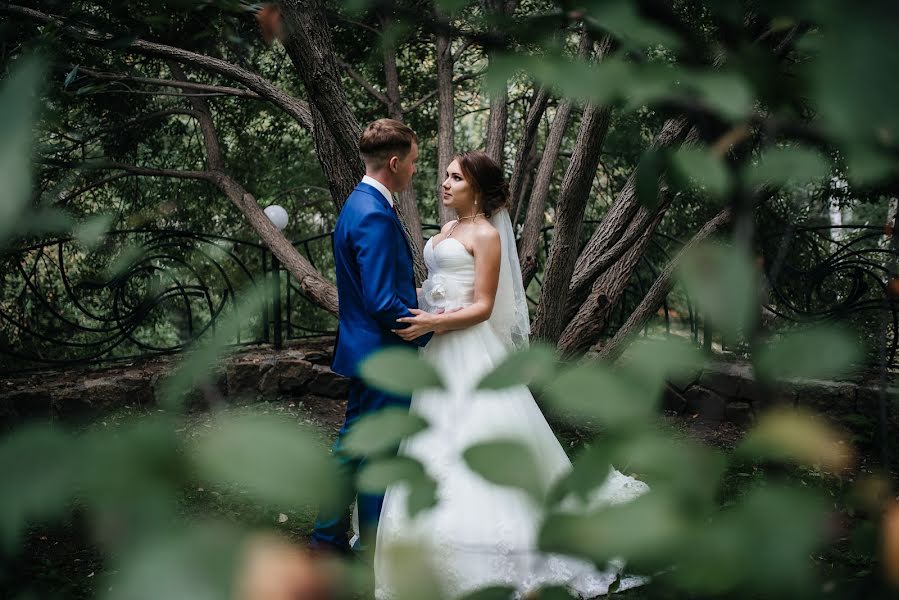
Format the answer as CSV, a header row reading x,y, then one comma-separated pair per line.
x,y
392,163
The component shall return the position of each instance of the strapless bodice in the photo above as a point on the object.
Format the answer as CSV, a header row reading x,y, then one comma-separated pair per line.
x,y
450,281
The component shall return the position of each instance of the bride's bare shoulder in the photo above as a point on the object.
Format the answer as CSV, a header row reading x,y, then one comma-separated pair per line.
x,y
486,233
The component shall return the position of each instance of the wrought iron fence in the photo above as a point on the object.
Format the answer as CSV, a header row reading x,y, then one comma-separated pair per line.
x,y
143,292
146,292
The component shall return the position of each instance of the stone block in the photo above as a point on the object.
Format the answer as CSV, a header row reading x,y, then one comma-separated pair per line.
x,y
708,404
673,400
739,413
294,375
328,383
243,378
725,379
826,397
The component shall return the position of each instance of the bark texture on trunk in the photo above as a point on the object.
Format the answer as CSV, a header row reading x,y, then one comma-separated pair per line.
x,y
659,289
591,318
615,224
529,244
336,131
526,147
445,118
570,209
322,292
495,141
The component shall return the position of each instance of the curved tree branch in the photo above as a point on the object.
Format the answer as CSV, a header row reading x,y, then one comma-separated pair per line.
x,y
184,85
296,108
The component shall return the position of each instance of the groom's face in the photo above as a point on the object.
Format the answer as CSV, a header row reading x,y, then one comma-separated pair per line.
x,y
405,168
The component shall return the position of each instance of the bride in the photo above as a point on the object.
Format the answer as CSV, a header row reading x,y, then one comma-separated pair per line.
x,y
480,534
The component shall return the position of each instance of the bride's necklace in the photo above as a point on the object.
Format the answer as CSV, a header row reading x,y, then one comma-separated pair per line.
x,y
459,220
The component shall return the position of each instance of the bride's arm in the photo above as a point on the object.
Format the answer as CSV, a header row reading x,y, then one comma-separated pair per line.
x,y
487,251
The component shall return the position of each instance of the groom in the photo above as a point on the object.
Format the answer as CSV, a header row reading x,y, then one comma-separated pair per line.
x,y
375,286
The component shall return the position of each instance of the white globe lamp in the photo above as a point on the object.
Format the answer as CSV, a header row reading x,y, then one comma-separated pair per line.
x,y
277,215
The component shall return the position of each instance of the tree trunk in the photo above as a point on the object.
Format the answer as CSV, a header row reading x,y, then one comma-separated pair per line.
x,y
408,203
569,216
615,223
526,146
336,132
591,318
655,297
495,140
446,118
529,244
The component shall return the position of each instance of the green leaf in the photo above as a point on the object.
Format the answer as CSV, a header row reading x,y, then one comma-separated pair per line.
x,y
760,547
723,282
508,463
19,104
649,170
195,369
382,431
494,592
822,352
702,169
623,20
598,393
275,460
778,166
124,261
197,563
378,475
399,371
70,77
655,362
90,232
727,93
644,529
39,467
532,366
422,496
799,437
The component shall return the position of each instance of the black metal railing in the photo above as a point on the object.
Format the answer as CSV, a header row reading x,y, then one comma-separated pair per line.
x,y
147,292
144,292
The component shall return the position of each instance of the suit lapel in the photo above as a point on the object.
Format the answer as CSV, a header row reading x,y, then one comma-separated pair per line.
x,y
368,189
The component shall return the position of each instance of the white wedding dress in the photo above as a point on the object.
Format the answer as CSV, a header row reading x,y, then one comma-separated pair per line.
x,y
480,534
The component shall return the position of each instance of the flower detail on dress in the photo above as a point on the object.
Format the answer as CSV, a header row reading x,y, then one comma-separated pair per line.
x,y
433,292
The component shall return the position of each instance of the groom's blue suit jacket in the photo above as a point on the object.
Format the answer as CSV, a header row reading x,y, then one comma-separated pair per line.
x,y
375,280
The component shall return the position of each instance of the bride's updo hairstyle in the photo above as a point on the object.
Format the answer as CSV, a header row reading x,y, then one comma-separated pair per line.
x,y
487,179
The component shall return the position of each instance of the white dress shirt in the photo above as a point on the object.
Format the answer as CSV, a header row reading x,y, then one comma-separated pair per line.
x,y
380,187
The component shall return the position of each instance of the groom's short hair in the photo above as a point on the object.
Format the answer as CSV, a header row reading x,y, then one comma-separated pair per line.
x,y
383,139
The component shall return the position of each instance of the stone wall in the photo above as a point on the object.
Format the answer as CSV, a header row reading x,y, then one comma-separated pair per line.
x,y
720,392
728,392
76,394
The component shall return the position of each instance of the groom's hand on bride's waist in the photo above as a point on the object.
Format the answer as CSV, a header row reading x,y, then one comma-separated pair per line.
x,y
420,323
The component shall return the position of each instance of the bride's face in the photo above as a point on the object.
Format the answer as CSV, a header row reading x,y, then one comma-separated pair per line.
x,y
457,192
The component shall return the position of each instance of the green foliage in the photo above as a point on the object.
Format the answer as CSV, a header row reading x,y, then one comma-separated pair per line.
x,y
491,460
382,431
821,352
399,371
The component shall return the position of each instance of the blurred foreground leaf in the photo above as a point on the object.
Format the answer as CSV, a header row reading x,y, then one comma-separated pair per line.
x,y
19,102
599,393
722,279
797,436
277,461
778,166
532,366
645,530
39,466
823,352
507,463
198,362
399,371
381,431
761,546
197,563
377,475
